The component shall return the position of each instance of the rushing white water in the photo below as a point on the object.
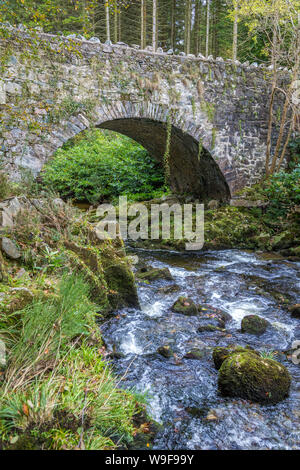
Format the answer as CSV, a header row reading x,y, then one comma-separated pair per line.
x,y
182,393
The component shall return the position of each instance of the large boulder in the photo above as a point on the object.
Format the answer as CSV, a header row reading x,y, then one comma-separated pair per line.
x,y
254,325
108,272
185,306
220,354
245,375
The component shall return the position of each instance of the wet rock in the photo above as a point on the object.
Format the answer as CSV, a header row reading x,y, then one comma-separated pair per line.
x,y
244,375
295,310
145,435
152,274
209,328
185,306
214,316
220,354
10,248
254,325
169,289
197,412
165,351
195,353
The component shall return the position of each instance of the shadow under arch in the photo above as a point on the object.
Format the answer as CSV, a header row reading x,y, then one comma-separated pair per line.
x,y
190,172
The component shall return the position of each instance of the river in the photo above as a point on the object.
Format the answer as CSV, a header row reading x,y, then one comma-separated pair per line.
x,y
182,393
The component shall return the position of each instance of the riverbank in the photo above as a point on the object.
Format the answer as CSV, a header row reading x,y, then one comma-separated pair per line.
x,y
58,283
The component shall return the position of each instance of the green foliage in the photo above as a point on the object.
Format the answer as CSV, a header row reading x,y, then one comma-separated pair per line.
x,y
294,151
103,166
43,403
283,191
268,354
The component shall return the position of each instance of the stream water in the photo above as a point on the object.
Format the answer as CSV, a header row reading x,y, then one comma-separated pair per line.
x,y
182,393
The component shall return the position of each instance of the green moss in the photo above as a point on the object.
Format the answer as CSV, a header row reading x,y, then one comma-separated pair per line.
x,y
165,351
195,354
154,274
220,354
244,375
108,271
118,275
255,325
185,306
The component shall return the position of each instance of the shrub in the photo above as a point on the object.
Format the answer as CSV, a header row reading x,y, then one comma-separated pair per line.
x,y
283,190
101,166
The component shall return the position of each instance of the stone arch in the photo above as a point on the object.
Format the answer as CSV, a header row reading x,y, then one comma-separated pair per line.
x,y
191,171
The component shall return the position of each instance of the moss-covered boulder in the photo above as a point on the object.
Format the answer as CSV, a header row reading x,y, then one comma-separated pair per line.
x,y
220,354
254,325
295,310
165,351
185,306
107,270
245,375
153,274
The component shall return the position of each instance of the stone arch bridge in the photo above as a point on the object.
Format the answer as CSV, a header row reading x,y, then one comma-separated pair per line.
x,y
52,88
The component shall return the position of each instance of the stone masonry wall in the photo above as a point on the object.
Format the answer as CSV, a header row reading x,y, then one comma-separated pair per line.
x,y
52,88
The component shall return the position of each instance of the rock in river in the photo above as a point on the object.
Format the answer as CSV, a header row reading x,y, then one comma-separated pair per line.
x,y
245,375
254,325
185,306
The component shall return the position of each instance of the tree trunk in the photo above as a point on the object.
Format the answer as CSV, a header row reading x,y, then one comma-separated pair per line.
x,y
154,26
143,23
197,28
274,85
207,27
235,31
107,22
188,15
173,27
116,21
